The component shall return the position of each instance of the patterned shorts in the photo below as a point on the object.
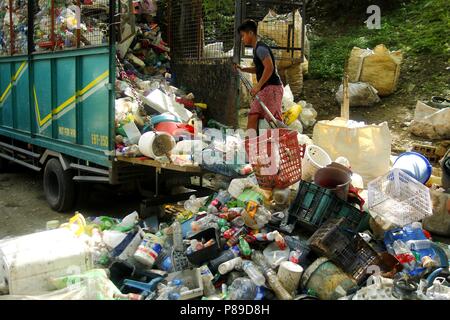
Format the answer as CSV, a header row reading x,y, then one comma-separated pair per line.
x,y
272,97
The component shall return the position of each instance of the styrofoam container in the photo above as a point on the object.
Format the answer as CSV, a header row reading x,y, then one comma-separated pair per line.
x,y
27,263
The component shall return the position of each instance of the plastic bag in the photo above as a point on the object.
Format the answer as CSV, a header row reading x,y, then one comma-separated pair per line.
x,y
309,114
288,98
361,95
431,123
367,147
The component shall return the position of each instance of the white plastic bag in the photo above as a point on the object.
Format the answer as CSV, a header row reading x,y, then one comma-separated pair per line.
x,y
361,95
367,147
430,122
288,98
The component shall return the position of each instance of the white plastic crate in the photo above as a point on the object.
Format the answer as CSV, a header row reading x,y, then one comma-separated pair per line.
x,y
400,199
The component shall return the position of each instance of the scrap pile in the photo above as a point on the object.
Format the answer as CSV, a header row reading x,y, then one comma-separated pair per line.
x,y
61,33
249,243
13,26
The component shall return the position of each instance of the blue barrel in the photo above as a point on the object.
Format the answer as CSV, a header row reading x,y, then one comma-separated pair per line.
x,y
415,165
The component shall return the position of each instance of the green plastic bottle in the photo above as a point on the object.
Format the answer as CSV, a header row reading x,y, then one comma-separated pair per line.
x,y
244,247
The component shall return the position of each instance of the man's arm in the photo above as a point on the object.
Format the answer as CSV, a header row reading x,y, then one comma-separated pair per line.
x,y
248,70
268,70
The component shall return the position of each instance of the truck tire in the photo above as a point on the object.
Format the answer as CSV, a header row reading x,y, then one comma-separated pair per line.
x,y
59,187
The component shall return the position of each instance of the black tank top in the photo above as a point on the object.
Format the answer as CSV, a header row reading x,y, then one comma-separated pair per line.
x,y
275,78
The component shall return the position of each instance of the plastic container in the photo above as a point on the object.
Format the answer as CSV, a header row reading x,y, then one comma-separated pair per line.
x,y
416,165
335,180
26,263
229,266
347,250
148,252
156,144
276,158
399,198
166,117
289,274
192,279
132,132
327,280
253,273
315,158
275,256
177,234
225,256
314,205
209,253
242,289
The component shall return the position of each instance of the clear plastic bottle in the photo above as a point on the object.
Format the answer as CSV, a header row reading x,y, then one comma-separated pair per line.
x,y
271,277
209,221
235,238
177,236
229,266
404,255
242,289
225,256
253,273
172,291
193,204
222,198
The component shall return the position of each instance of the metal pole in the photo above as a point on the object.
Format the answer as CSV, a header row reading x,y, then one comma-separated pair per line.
x,y
303,31
52,28
11,28
30,34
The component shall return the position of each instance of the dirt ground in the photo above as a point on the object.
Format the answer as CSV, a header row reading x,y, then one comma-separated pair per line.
x,y
23,208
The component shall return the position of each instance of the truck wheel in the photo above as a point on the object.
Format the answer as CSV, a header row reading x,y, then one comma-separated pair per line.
x,y
59,187
3,165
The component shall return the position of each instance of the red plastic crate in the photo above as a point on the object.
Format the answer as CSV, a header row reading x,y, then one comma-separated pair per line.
x,y
284,168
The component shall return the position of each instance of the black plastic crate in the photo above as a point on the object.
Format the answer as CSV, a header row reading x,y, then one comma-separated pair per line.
x,y
314,205
345,248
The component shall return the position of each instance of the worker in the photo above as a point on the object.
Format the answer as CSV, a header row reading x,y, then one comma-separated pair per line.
x,y
269,87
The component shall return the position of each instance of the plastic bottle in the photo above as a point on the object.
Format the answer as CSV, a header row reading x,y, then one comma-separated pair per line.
x,y
235,238
404,255
271,276
419,244
229,266
193,204
242,289
172,291
221,198
294,256
253,273
244,247
177,236
238,222
209,221
225,256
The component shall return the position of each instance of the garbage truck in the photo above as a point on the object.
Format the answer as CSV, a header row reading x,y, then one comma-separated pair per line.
x,y
57,100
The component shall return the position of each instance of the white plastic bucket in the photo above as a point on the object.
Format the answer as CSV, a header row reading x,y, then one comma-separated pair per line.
x,y
289,275
315,158
156,144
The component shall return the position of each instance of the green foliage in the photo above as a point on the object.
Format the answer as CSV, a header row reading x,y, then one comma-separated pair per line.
x,y
219,21
418,28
